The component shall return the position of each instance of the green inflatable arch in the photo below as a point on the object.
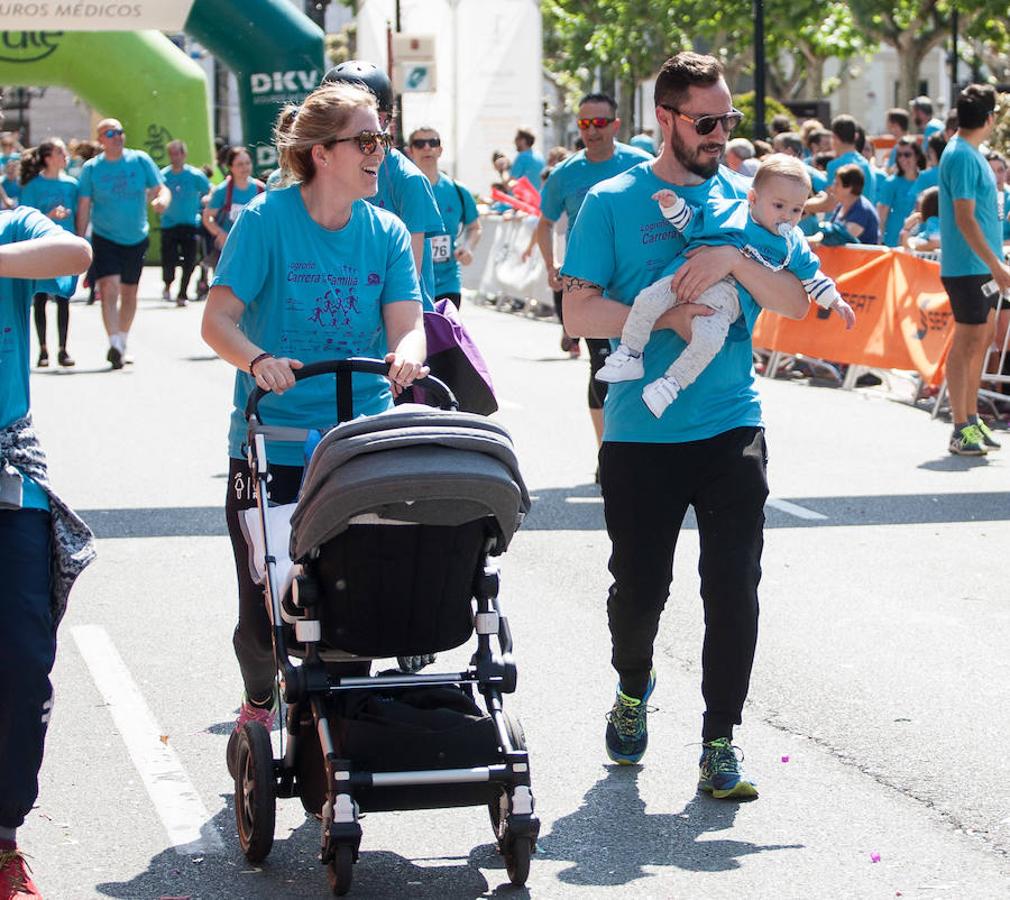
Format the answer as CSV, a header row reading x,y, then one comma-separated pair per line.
x,y
139,77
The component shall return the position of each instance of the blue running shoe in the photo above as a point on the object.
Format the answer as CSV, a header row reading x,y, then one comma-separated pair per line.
x,y
627,735
719,772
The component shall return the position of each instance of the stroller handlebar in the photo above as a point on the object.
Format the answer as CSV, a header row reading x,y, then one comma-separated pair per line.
x,y
343,369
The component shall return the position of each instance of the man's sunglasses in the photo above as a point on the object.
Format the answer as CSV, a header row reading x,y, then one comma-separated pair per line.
x,y
706,124
595,121
368,141
421,143
113,132
906,153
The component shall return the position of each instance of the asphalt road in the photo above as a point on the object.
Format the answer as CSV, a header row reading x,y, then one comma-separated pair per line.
x,y
879,701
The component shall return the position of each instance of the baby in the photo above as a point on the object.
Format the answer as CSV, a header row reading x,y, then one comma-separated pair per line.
x,y
764,228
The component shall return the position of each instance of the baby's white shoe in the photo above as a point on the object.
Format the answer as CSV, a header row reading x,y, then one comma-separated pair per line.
x,y
659,394
622,365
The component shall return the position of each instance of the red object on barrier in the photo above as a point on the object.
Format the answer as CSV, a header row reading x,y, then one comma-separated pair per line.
x,y
524,190
903,316
501,197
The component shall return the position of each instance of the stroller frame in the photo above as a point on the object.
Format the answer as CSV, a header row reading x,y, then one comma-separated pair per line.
x,y
306,688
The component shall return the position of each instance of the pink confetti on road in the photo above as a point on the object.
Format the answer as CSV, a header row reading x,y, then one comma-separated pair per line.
x,y
874,857
785,759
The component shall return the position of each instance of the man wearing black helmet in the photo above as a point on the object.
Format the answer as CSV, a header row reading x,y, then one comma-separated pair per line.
x,y
403,188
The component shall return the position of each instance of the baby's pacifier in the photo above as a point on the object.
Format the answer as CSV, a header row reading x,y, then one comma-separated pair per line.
x,y
784,229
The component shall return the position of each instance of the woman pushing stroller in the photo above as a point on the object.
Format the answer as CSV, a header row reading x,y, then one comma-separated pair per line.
x,y
309,272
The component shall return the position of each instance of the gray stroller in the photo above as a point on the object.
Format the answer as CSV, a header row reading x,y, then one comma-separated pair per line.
x,y
389,557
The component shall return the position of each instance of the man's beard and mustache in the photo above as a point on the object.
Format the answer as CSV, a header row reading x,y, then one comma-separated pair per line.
x,y
689,158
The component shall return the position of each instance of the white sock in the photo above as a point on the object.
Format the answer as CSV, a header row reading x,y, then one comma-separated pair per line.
x,y
116,340
123,335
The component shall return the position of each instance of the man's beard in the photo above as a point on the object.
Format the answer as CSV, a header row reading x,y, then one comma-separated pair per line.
x,y
689,158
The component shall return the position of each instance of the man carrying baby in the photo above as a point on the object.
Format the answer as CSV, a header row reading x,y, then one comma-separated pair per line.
x,y
762,227
708,451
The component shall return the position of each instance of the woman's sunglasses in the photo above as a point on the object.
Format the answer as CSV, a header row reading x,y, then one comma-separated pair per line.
x,y
421,143
113,132
595,121
706,124
368,141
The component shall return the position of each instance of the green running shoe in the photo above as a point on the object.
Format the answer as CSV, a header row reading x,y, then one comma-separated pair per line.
x,y
719,772
968,442
988,438
627,734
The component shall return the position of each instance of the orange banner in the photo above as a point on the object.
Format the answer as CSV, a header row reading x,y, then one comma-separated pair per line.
x,y
903,318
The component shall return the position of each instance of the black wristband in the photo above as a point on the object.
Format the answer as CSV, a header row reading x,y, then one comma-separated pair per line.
x,y
260,358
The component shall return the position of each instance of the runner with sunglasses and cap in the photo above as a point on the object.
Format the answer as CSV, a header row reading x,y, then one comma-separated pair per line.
x,y
458,211
403,188
709,450
309,272
563,192
114,190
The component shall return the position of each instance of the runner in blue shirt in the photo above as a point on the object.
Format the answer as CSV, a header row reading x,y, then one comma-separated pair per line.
x,y
896,194
528,163
644,141
180,223
563,193
844,130
971,266
998,164
115,188
403,188
709,452
43,544
309,272
458,211
47,188
229,198
922,114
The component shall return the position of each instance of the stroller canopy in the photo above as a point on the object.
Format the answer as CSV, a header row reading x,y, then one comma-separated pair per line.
x,y
413,464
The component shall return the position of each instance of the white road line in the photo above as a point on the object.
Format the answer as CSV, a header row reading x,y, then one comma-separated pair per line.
x,y
175,799
794,509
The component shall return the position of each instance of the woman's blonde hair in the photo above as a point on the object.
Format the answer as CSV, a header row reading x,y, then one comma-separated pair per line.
x,y
319,120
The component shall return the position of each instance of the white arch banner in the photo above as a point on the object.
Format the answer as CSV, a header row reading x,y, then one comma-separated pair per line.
x,y
23,22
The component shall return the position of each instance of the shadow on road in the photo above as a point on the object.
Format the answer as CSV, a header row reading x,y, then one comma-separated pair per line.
x,y
611,839
292,870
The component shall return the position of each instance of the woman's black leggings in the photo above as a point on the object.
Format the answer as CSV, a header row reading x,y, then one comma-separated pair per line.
x,y
62,318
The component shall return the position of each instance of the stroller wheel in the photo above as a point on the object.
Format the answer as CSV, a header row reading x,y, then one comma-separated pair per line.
x,y
340,870
517,860
255,803
498,808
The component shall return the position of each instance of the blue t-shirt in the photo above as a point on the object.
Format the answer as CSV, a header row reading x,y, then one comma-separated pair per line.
x,y
12,188
567,185
22,224
313,294
240,197
45,194
965,175
927,178
898,195
930,229
622,242
644,142
528,163
1003,198
188,188
405,191
456,206
728,221
118,192
869,178
864,213
819,180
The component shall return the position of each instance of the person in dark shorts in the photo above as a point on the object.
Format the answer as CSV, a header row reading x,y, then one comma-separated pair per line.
x,y
565,189
971,267
114,190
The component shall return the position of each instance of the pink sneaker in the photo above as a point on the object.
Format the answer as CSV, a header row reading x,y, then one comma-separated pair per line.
x,y
15,881
248,713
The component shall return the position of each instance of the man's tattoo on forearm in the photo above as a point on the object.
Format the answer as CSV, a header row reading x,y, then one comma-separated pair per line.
x,y
569,283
